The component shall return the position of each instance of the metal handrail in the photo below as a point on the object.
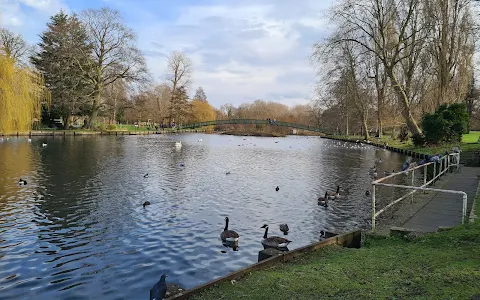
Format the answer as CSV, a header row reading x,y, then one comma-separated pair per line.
x,y
445,164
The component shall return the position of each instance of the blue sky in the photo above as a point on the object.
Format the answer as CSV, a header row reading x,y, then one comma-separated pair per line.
x,y
242,50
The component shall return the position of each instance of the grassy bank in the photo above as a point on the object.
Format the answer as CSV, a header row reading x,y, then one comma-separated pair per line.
x,y
443,265
468,144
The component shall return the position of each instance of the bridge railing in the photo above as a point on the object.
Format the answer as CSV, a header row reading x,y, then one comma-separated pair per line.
x,y
252,122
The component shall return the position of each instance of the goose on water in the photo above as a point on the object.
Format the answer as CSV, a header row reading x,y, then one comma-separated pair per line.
x,y
146,203
145,176
44,145
333,196
227,173
284,228
159,290
228,235
178,144
29,140
22,182
274,241
323,201
367,193
277,188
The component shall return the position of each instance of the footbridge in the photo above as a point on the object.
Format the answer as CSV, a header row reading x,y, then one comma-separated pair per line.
x,y
253,122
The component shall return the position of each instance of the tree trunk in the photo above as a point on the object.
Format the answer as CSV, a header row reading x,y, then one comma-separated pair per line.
x,y
96,104
347,129
365,128
405,104
380,99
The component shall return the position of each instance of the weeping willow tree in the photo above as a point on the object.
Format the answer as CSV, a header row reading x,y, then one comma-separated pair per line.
x,y
22,93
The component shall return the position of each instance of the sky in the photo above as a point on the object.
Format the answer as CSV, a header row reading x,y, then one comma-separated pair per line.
x,y
241,50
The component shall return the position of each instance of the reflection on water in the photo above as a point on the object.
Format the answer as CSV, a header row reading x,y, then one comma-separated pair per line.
x,y
79,229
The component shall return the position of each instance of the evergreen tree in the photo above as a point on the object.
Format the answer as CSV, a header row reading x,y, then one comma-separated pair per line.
x,y
200,95
62,60
179,104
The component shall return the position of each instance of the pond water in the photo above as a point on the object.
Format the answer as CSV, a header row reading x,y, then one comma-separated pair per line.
x,y
78,229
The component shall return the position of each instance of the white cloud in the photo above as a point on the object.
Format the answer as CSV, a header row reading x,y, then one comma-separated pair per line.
x,y
28,17
243,52
44,6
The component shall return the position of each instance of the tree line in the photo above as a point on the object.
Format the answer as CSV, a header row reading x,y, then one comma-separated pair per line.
x,y
387,63
92,67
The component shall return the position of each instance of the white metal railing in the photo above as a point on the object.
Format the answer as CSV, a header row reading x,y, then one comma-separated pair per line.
x,y
444,164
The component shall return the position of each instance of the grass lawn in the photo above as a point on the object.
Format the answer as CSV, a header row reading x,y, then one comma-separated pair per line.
x,y
471,137
444,265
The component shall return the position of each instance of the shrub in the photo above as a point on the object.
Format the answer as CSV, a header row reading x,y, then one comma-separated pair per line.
x,y
111,127
447,124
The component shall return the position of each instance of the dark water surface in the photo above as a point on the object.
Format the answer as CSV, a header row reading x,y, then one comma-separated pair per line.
x,y
85,235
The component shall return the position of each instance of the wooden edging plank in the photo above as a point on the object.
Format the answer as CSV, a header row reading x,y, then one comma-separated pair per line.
x,y
350,239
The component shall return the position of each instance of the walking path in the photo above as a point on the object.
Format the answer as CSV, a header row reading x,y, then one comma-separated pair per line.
x,y
446,209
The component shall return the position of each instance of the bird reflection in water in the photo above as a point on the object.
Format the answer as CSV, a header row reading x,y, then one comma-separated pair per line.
x,y
233,245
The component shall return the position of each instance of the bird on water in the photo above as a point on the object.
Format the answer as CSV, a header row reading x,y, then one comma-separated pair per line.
x,y
22,182
146,203
228,235
284,228
274,241
323,201
277,188
159,290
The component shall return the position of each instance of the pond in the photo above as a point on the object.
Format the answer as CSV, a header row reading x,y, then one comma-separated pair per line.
x,y
78,229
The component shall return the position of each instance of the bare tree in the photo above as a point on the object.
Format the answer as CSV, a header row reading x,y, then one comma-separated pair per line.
x,y
162,94
14,46
179,71
115,53
453,33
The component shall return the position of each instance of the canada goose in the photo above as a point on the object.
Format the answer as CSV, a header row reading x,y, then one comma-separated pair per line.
x,y
323,235
367,193
146,203
227,173
159,290
284,228
181,165
228,235
333,196
277,188
44,145
273,241
22,182
145,176
323,201
178,144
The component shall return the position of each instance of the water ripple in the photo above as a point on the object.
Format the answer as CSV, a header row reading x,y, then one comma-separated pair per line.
x,y
78,230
